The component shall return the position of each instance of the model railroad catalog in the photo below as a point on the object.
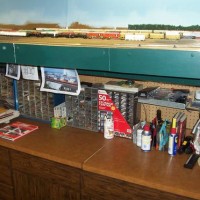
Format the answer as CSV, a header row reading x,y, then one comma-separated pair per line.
x,y
106,107
16,130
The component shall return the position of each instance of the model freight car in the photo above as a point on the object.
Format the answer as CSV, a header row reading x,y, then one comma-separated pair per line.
x,y
134,37
13,33
172,35
157,36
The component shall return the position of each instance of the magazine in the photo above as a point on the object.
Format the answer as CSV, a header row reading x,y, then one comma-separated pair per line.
x,y
16,130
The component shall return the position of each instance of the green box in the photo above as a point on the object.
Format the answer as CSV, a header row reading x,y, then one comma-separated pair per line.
x,y
58,122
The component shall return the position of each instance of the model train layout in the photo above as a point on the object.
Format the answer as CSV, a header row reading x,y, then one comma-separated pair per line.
x,y
137,35
111,38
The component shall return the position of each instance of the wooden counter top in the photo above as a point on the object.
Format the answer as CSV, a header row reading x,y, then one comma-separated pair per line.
x,y
68,145
117,158
123,160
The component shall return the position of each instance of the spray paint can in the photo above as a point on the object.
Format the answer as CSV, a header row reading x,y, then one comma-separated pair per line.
x,y
146,139
173,139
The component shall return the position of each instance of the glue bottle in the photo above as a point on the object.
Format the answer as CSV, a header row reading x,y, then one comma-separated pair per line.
x,y
173,138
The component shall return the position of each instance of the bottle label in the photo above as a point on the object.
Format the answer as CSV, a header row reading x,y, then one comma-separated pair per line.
x,y
108,128
146,143
139,137
172,145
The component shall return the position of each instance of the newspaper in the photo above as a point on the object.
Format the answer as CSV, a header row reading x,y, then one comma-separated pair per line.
x,y
63,81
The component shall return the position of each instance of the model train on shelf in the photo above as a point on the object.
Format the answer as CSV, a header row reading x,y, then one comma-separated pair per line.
x,y
138,35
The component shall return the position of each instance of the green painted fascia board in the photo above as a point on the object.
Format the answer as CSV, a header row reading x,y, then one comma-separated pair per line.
x,y
7,53
156,62
63,57
171,66
163,79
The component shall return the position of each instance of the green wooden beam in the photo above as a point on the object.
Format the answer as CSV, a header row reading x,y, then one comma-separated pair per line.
x,y
163,79
160,65
63,57
7,53
156,62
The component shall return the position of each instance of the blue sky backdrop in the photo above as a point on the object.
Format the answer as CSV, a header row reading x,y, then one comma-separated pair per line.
x,y
99,13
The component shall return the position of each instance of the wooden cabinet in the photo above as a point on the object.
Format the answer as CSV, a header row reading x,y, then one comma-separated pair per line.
x,y
6,187
98,187
37,179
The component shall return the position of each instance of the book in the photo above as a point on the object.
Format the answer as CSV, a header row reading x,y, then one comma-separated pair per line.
x,y
178,116
7,115
16,130
181,129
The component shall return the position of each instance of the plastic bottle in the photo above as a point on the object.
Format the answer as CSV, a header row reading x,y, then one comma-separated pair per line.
x,y
139,137
146,139
173,139
108,127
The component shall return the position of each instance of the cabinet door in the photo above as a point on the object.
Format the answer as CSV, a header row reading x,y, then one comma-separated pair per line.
x,y
6,192
6,188
97,187
5,172
31,187
40,179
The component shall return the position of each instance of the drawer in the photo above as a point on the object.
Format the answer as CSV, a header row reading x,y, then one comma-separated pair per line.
x,y
53,171
4,155
6,192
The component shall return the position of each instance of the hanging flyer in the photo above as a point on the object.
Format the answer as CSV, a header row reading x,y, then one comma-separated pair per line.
x,y
29,72
63,81
13,71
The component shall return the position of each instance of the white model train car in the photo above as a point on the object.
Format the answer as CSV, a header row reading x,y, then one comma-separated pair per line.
x,y
134,37
13,33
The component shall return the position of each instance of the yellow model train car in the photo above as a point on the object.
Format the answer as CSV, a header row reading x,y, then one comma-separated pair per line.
x,y
157,36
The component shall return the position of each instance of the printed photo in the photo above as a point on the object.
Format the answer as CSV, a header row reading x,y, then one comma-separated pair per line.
x,y
63,81
13,71
29,72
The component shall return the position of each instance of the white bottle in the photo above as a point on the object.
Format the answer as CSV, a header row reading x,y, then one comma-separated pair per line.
x,y
108,127
139,137
146,139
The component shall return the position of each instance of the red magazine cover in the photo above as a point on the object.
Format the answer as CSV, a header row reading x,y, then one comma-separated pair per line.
x,y
16,130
